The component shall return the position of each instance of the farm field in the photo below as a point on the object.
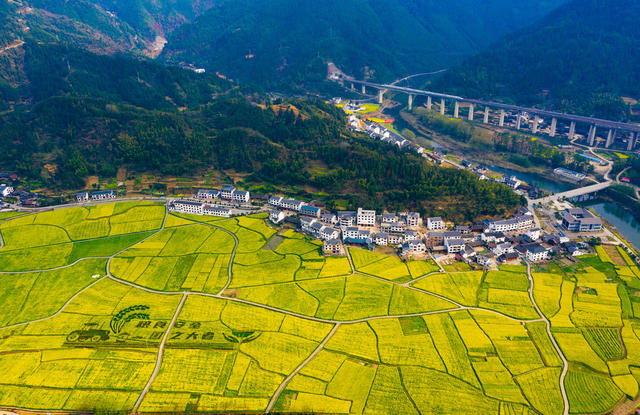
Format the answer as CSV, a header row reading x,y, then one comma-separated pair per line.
x,y
125,307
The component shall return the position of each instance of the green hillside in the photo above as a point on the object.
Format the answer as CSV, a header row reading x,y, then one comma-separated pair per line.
x,y
288,43
585,54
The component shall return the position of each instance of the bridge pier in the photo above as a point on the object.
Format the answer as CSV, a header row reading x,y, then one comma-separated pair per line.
x,y
456,110
486,115
592,135
442,107
380,96
429,103
353,87
536,121
572,130
472,108
632,141
518,121
364,90
410,102
554,127
502,114
610,138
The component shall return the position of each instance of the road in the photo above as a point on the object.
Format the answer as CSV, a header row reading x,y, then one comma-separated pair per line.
x,y
636,188
573,193
14,45
565,364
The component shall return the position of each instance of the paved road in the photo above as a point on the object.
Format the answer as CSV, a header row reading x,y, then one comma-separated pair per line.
x,y
573,193
565,364
14,45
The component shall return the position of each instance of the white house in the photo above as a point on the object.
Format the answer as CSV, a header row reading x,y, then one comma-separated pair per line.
x,y
187,206
454,245
536,253
517,223
276,216
81,197
240,196
329,218
333,247
275,201
381,238
389,218
395,239
103,194
397,228
310,211
366,217
208,194
434,224
5,190
216,211
503,248
227,191
413,219
351,233
346,219
291,204
328,233
486,260
533,234
410,236
414,247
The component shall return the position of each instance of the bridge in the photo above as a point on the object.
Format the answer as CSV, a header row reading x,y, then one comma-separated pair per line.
x,y
570,194
615,130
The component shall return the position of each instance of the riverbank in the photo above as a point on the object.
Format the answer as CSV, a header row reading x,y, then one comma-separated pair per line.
x,y
618,220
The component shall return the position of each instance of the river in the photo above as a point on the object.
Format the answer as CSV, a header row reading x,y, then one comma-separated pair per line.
x,y
626,224
553,186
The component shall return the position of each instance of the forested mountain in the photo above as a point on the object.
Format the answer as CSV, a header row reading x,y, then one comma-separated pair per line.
x,y
580,58
81,114
289,42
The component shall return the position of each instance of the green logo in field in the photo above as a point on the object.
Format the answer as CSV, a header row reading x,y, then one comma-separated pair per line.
x,y
135,312
241,336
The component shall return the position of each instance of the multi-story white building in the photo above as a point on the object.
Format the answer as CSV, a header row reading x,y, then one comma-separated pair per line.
x,y
208,194
346,219
435,224
503,248
310,211
276,216
411,236
187,206
536,253
517,223
413,219
227,191
533,234
395,239
291,204
351,233
414,247
103,194
240,196
333,247
5,190
329,218
328,233
454,245
389,218
275,201
366,217
381,238
82,196
216,211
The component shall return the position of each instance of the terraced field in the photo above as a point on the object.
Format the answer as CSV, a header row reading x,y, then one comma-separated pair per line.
x,y
123,307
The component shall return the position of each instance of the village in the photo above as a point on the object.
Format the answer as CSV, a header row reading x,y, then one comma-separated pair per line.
x,y
485,244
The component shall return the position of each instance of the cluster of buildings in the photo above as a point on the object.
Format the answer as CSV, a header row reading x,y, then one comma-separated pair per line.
x,y
379,132
98,195
5,190
194,207
228,192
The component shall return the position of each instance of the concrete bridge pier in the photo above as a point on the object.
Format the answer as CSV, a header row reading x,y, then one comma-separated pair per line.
x,y
592,135
502,114
486,115
518,121
610,138
364,90
554,127
572,130
353,87
410,102
442,107
536,121
380,96
456,110
429,103
632,141
472,108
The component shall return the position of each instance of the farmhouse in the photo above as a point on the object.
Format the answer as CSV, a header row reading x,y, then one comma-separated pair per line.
x,y
82,196
517,223
5,190
103,194
346,219
216,211
276,216
311,211
435,224
413,219
208,194
240,196
414,247
333,247
291,204
227,191
454,245
329,218
381,238
389,218
275,201
536,253
187,206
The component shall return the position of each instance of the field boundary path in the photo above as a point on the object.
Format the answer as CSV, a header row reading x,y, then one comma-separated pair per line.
x,y
156,369
565,364
286,381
